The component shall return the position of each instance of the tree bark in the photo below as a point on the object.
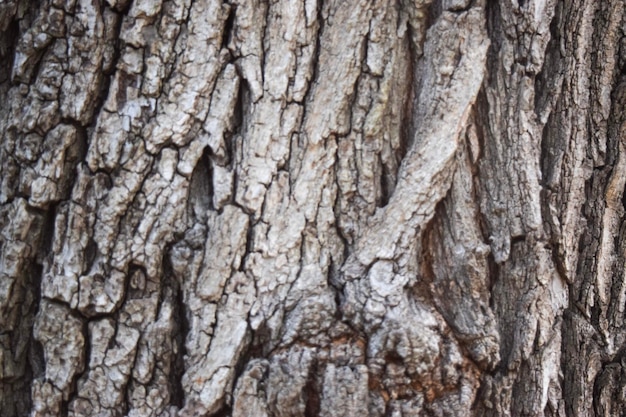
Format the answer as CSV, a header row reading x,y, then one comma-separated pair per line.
x,y
315,208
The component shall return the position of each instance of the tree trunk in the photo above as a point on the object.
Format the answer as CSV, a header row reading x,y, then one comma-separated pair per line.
x,y
316,208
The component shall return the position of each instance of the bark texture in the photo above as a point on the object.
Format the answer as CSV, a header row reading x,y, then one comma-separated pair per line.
x,y
257,208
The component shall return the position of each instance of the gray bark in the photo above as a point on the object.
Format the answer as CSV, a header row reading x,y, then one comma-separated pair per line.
x,y
315,208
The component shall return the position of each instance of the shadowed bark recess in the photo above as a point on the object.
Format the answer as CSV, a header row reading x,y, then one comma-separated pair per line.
x,y
312,208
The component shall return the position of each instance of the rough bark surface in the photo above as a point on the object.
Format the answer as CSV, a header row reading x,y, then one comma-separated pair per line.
x,y
312,208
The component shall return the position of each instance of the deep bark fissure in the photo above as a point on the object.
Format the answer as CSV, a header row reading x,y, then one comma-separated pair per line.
x,y
178,363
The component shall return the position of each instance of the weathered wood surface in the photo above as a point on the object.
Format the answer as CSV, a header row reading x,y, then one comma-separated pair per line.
x,y
314,208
